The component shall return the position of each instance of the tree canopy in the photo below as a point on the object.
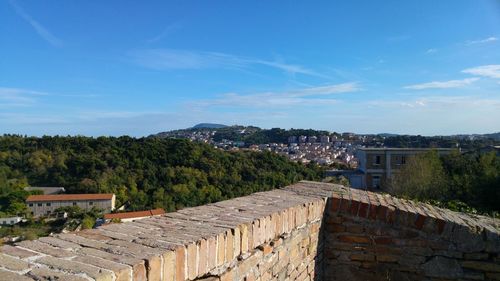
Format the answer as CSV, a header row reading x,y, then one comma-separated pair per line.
x,y
456,181
145,172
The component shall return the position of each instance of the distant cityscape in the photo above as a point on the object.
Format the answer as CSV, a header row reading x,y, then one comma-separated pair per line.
x,y
324,148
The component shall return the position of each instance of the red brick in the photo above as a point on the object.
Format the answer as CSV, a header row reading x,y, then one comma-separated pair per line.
x,y
382,213
391,214
355,239
266,249
363,209
354,207
419,223
440,225
383,240
335,203
373,212
345,204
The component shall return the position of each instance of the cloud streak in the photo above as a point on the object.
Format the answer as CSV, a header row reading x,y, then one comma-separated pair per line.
x,y
312,96
491,71
169,29
481,41
39,28
442,84
16,97
172,59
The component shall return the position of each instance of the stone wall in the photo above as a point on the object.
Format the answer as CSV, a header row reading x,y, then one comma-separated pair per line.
x,y
307,231
375,237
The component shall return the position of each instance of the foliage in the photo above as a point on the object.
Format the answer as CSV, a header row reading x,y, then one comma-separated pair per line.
x,y
337,180
440,141
88,222
421,178
254,135
143,172
30,230
464,182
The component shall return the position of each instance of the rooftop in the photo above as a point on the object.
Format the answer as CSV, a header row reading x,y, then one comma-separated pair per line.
x,y
404,149
69,197
138,214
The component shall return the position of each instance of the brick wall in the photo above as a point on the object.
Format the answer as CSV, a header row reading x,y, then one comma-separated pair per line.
x,y
307,231
375,237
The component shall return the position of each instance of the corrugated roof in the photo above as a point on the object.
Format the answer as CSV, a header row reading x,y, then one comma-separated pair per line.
x,y
70,197
138,214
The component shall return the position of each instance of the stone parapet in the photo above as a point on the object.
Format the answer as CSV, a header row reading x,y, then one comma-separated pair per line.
x,y
295,233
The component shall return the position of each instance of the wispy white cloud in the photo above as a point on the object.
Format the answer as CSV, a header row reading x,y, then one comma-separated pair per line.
x,y
431,51
169,29
10,97
19,97
491,71
167,59
481,41
439,102
39,28
442,84
312,96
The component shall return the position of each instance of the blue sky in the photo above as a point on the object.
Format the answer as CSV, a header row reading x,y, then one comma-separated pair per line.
x,y
140,67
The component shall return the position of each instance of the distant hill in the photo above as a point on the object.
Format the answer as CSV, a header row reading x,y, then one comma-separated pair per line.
x,y
208,126
386,135
495,136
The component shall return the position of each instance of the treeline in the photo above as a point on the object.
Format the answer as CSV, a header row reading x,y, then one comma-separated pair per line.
x,y
439,141
462,182
145,172
262,136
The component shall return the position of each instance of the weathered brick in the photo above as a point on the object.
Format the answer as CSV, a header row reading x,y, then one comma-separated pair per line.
x,y
42,273
192,264
212,253
202,257
180,264
482,266
236,242
221,249
229,245
362,257
14,264
266,249
122,272
99,274
227,276
8,275
355,239
138,266
17,252
387,258
169,264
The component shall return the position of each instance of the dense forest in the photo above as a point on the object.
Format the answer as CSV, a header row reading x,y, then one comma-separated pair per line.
x,y
466,182
275,135
143,172
441,141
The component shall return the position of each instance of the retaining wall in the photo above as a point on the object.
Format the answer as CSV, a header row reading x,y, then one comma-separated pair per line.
x,y
306,231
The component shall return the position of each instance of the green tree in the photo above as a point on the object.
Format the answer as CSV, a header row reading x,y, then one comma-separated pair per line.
x,y
421,178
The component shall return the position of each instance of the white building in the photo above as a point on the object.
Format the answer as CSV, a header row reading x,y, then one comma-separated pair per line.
x,y
44,205
10,220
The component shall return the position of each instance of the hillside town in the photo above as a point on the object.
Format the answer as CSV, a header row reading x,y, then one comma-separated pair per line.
x,y
322,149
